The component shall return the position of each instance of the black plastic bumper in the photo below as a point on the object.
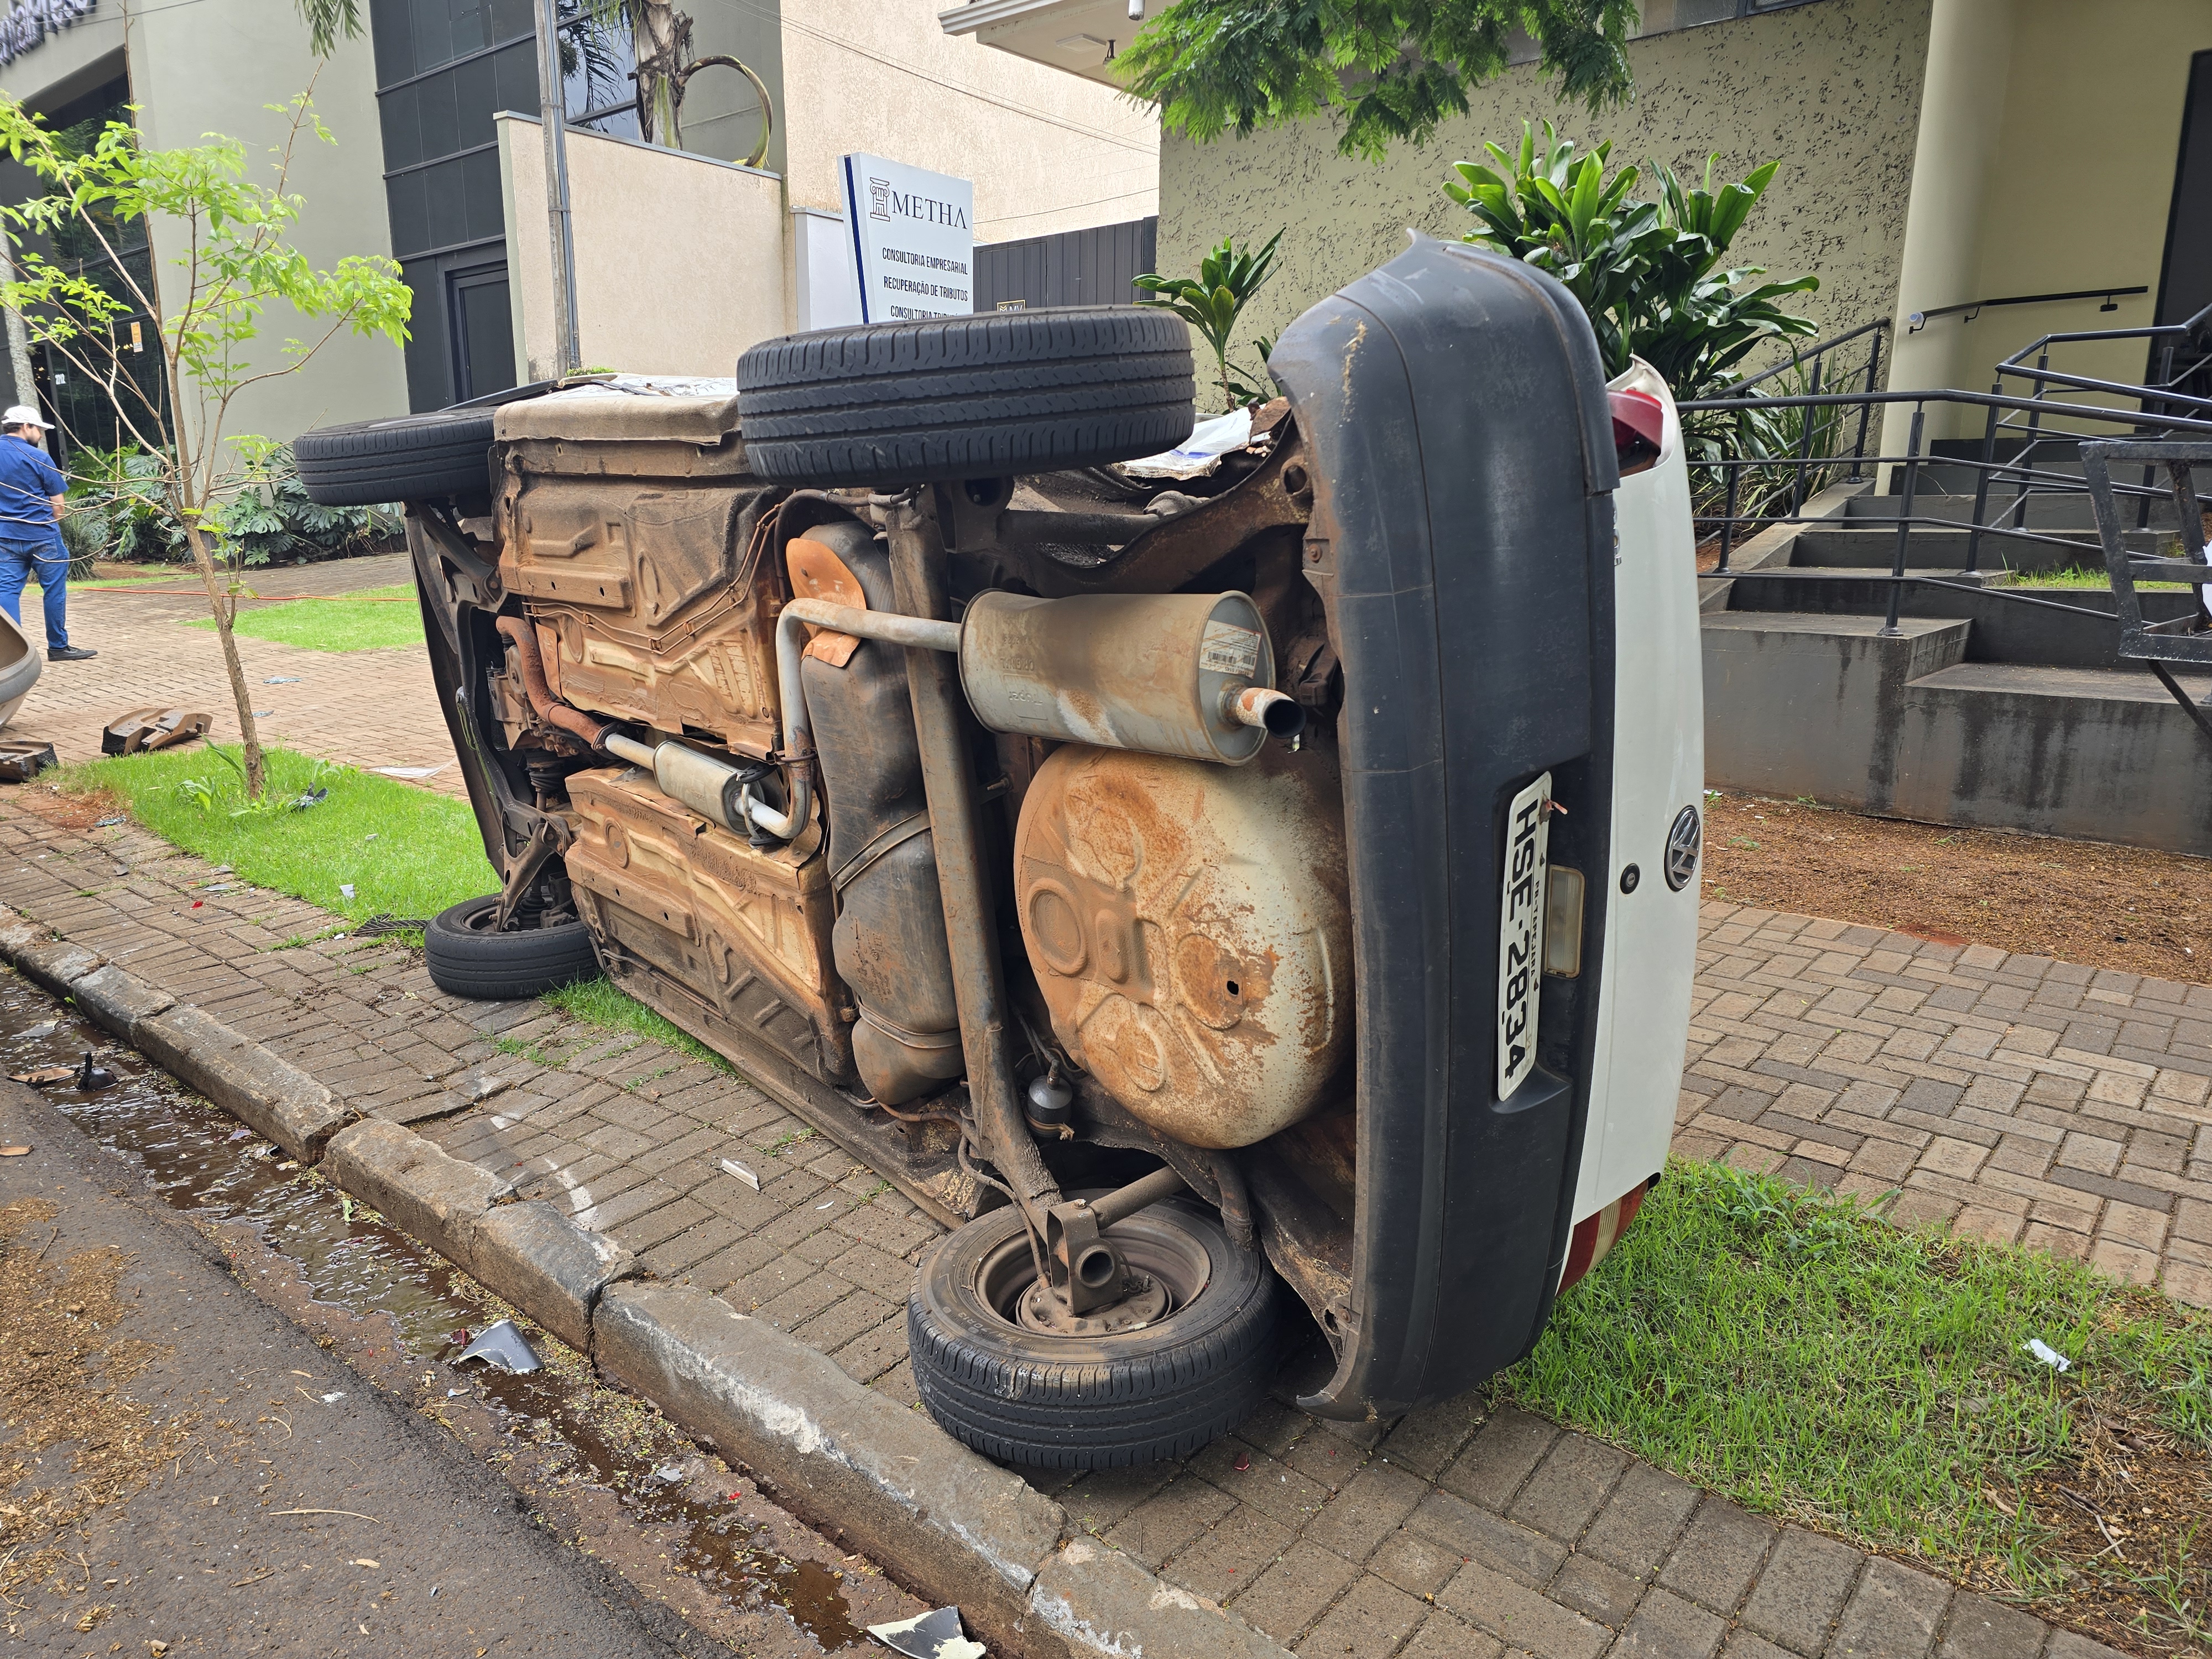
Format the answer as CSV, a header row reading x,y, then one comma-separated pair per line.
x,y
1463,537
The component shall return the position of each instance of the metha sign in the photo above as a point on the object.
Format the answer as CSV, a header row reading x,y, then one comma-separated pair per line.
x,y
913,239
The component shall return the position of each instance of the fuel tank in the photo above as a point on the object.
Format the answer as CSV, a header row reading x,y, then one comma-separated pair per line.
x,y
1190,927
889,943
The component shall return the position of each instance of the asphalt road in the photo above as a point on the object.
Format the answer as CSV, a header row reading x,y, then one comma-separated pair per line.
x,y
176,1453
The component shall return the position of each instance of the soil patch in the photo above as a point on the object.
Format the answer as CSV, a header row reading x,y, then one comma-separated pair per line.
x,y
2091,903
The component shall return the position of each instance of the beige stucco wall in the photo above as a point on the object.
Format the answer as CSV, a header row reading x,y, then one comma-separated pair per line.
x,y
679,260
1831,89
211,67
2047,150
1047,151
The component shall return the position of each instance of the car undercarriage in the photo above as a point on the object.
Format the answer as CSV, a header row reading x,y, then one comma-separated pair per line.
x,y
1193,893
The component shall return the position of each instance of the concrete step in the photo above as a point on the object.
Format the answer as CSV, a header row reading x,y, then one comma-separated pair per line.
x,y
2062,514
1870,549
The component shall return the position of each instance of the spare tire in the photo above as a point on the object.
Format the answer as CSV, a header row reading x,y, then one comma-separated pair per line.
x,y
985,397
442,455
466,958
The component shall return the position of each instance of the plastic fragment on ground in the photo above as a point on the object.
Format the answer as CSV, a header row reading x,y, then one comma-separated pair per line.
x,y
345,890
1200,452
2049,1355
505,1346
731,1166
937,1634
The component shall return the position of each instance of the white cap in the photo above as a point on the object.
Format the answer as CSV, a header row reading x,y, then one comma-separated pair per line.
x,y
23,415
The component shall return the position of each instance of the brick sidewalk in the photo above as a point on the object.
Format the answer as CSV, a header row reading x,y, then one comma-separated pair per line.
x,y
1454,1534
2014,1098
372,709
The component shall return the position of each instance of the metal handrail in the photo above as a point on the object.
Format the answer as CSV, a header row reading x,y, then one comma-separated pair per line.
x,y
1920,319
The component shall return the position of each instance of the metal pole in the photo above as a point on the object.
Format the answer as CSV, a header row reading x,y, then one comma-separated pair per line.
x,y
2142,502
2026,459
1812,414
1982,485
1874,373
1889,628
920,583
1728,523
553,114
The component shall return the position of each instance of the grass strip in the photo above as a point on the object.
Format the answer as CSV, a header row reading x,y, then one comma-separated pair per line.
x,y
403,851
1792,1351
365,621
2096,578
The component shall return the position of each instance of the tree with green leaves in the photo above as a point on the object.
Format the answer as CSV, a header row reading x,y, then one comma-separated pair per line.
x,y
1391,70
230,248
1648,274
1227,279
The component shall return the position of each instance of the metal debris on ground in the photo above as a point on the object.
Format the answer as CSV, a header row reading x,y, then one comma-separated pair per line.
x,y
2049,1355
92,1075
102,823
731,1166
937,1634
503,1346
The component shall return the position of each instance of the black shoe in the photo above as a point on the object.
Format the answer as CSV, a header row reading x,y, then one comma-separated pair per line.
x,y
70,653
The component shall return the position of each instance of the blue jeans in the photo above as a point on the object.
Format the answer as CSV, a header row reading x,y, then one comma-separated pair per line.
x,y
49,559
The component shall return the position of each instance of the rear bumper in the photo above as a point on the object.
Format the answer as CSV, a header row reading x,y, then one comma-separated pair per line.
x,y
1463,539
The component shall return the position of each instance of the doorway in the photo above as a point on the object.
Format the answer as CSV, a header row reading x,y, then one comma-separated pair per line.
x,y
483,321
2184,280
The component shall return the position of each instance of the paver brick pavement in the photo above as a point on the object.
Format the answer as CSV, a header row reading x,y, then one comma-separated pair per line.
x,y
1459,1530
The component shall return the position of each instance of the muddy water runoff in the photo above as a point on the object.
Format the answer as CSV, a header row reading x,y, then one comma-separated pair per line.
x,y
200,1161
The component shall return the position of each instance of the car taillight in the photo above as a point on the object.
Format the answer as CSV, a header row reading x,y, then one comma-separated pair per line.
x,y
1596,1234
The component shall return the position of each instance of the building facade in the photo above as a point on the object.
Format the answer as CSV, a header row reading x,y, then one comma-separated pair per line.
x,y
419,170
1933,153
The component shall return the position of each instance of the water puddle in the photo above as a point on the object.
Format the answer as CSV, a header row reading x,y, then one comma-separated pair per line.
x,y
201,1162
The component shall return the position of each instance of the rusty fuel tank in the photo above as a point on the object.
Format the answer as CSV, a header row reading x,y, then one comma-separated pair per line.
x,y
1187,674
1191,930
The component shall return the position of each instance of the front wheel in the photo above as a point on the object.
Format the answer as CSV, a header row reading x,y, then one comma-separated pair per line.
x,y
466,958
1191,1359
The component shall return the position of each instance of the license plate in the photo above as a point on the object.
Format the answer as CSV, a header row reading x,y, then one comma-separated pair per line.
x,y
1520,934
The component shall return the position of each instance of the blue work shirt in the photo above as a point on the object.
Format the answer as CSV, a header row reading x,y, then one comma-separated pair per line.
x,y
29,484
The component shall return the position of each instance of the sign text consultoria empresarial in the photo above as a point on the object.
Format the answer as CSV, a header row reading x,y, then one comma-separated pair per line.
x,y
913,239
28,22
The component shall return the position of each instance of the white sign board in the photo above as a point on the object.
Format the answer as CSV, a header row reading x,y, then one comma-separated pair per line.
x,y
913,239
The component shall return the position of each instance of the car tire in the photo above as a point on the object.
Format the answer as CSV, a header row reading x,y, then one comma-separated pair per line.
x,y
1075,1402
440,455
467,959
988,397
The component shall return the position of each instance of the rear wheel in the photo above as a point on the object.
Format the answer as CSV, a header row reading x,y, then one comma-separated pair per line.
x,y
983,396
467,959
440,455
1192,1360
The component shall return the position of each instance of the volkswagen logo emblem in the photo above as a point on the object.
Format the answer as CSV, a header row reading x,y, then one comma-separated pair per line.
x,y
1683,841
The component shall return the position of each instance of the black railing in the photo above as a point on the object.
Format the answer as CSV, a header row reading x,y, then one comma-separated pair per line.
x,y
1973,308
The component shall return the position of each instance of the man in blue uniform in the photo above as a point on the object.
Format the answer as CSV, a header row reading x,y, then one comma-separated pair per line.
x,y
33,495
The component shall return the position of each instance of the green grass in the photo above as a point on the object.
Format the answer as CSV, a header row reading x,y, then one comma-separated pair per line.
x,y
2078,576
598,1002
349,621
1792,1352
403,850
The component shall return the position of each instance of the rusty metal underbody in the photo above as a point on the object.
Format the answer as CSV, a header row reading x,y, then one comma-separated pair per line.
x,y
1185,925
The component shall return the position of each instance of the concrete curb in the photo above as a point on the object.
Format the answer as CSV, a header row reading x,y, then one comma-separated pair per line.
x,y
946,1522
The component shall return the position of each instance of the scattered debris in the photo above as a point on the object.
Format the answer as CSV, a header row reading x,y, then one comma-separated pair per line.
x,y
92,1075
2049,1355
14,1151
1200,454
731,1166
333,1399
39,1076
313,798
281,679
505,1346
384,922
102,823
345,890
22,760
412,773
42,1030
144,729
937,1634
